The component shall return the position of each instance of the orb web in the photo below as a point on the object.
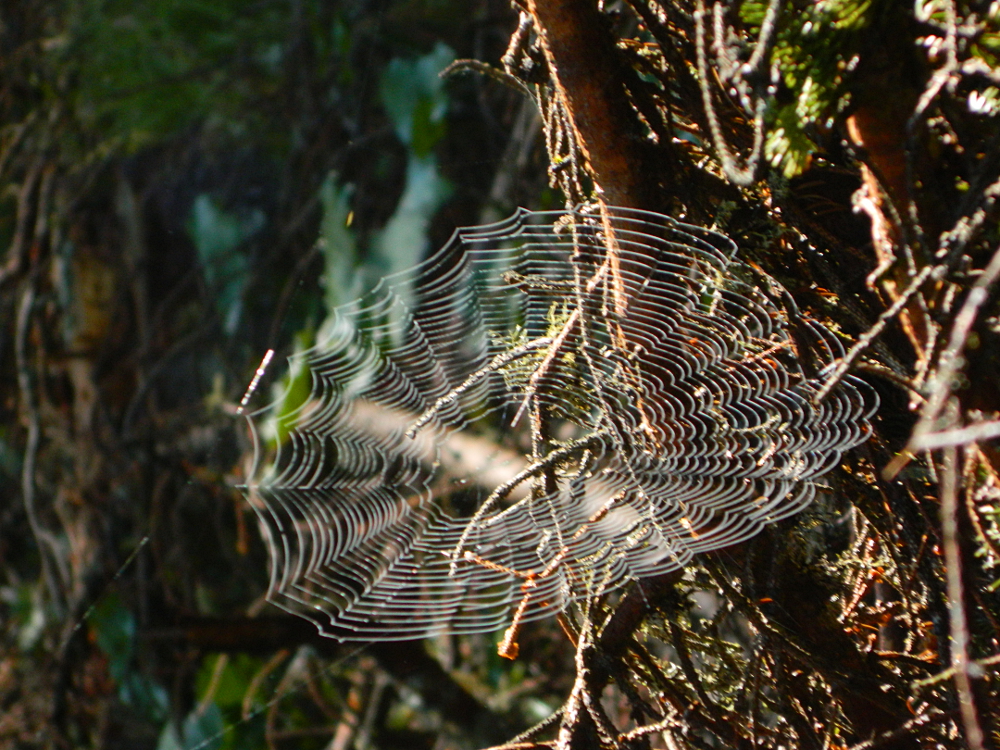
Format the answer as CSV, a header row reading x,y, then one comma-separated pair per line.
x,y
573,399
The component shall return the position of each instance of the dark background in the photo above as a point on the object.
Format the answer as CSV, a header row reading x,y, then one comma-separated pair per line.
x,y
185,184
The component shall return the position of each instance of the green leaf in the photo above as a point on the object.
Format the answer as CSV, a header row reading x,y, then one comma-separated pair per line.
x,y
847,14
787,146
148,697
29,616
403,241
113,626
202,729
217,236
414,98
752,12
338,243
232,684
292,391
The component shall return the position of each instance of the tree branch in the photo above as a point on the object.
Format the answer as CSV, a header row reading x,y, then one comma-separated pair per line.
x,y
586,68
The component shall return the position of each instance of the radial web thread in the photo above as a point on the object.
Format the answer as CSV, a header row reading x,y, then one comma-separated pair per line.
x,y
579,400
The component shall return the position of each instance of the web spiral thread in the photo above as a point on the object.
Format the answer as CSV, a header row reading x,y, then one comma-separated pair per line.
x,y
562,398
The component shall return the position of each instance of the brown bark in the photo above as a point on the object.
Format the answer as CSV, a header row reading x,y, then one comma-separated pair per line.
x,y
896,169
587,70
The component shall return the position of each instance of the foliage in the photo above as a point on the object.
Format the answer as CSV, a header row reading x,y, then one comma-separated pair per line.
x,y
814,52
142,72
187,184
175,172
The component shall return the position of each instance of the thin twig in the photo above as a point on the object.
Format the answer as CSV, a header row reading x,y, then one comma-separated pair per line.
x,y
478,66
659,726
523,740
895,734
694,680
567,328
789,641
552,459
960,436
9,149
956,609
765,39
866,339
48,548
499,361
741,176
941,78
580,697
543,368
939,388
949,673
17,253
518,43
257,681
887,373
508,647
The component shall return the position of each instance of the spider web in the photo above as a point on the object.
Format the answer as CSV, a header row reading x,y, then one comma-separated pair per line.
x,y
575,400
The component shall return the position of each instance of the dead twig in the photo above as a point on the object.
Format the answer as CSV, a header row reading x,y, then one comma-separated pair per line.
x,y
956,609
940,387
742,176
551,460
17,253
865,340
478,66
48,545
957,436
896,734
498,362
